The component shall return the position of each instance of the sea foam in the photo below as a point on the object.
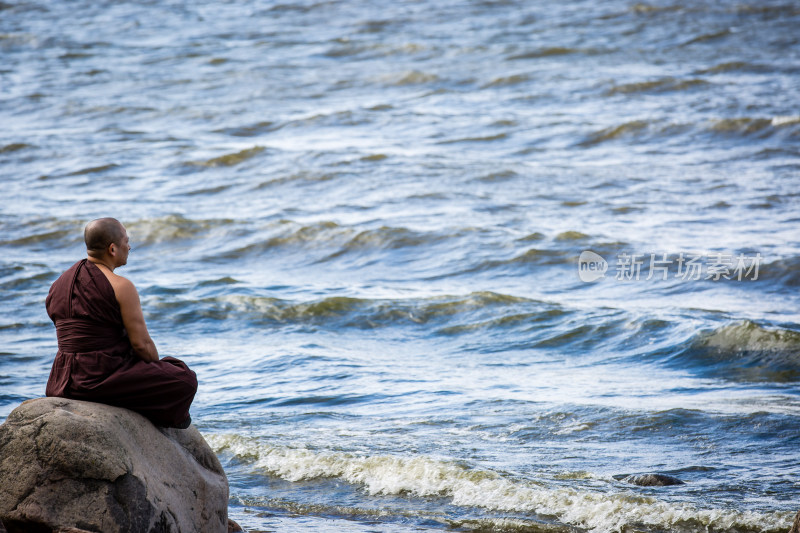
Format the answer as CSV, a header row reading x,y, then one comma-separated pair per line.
x,y
616,509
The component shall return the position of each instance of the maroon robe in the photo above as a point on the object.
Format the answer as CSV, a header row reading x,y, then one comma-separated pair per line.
x,y
95,359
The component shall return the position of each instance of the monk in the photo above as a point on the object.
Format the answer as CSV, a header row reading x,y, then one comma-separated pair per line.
x,y
105,353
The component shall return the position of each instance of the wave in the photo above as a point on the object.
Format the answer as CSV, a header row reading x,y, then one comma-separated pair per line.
x,y
507,81
740,351
364,50
784,120
327,240
43,231
531,237
337,240
745,351
654,130
498,176
757,127
737,66
749,336
94,170
706,37
640,8
372,158
289,233
477,310
222,239
14,147
784,271
147,231
614,509
412,77
554,51
229,160
303,176
333,119
252,130
768,11
486,138
424,517
628,129
172,228
661,85
377,516
41,236
571,235
300,7
26,279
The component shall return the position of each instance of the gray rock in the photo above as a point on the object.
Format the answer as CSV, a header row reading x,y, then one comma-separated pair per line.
x,y
796,525
72,466
652,480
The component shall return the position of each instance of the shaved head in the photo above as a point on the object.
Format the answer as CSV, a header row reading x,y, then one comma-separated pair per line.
x,y
99,233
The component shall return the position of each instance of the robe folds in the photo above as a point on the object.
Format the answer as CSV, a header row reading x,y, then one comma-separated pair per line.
x,y
95,359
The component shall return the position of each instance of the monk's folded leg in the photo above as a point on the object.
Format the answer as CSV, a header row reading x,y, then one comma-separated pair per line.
x,y
162,390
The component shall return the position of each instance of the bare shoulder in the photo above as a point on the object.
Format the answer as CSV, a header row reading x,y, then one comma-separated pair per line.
x,y
123,288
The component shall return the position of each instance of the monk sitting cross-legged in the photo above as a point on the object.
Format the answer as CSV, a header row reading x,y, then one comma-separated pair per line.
x,y
105,353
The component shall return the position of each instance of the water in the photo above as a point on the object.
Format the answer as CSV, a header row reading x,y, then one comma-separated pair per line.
x,y
360,223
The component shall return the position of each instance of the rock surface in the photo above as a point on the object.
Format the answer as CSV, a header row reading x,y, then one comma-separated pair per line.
x,y
73,466
652,480
796,525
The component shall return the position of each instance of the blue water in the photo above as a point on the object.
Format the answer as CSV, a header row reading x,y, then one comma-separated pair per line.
x,y
361,224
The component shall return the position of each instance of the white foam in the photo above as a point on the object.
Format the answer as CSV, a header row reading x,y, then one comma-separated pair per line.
x,y
611,510
785,120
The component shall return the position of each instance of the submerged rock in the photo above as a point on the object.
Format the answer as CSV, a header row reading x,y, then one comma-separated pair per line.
x,y
652,480
72,466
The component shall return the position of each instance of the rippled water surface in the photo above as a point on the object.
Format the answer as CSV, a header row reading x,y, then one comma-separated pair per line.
x,y
361,222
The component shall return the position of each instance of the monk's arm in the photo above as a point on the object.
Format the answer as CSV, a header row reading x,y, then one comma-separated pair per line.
x,y
133,320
